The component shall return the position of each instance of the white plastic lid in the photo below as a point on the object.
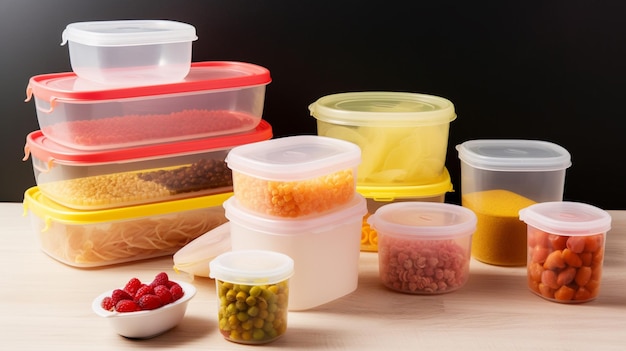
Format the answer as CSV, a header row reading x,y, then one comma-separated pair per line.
x,y
294,158
128,32
251,267
388,109
424,220
355,209
514,155
569,218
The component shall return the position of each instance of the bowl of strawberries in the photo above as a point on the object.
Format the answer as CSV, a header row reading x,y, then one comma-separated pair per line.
x,y
145,309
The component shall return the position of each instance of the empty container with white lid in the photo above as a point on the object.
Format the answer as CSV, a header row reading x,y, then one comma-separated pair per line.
x,y
130,52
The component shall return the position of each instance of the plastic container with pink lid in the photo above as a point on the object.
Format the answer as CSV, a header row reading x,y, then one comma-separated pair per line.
x,y
215,98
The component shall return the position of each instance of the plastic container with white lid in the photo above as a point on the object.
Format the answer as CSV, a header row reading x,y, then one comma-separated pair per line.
x,y
130,52
403,136
566,242
294,176
91,180
216,98
424,247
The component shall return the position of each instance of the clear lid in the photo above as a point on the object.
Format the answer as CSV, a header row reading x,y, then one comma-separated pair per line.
x,y
294,158
563,217
128,32
439,186
514,155
388,109
424,220
252,267
50,152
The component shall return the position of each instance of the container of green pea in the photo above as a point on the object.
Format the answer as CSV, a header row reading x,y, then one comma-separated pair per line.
x,y
252,294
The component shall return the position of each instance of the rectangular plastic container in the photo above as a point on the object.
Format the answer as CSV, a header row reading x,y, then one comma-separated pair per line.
x,y
130,52
403,136
92,180
105,237
295,176
499,177
325,248
380,196
216,98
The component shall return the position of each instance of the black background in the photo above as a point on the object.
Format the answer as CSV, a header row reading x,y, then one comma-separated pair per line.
x,y
548,70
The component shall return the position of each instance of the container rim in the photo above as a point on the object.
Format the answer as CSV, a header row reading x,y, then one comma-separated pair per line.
x,y
251,267
567,217
440,186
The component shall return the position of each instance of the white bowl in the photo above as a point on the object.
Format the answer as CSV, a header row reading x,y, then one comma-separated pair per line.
x,y
146,324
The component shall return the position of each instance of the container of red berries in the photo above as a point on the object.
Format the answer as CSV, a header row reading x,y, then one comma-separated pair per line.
x,y
143,310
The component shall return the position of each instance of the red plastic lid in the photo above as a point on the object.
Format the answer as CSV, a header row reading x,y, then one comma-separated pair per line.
x,y
45,149
211,75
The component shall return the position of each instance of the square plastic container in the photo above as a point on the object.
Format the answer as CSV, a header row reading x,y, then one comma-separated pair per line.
x,y
424,247
216,98
99,238
566,243
295,176
130,52
252,294
499,177
380,196
91,180
325,248
403,136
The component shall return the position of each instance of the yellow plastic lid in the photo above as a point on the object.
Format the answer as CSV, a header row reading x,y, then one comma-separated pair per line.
x,y
389,193
49,210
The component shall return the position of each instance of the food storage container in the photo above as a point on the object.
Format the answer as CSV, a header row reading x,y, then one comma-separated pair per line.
x,y
499,177
325,248
215,98
105,237
253,293
423,247
90,180
383,195
566,243
403,136
130,52
294,176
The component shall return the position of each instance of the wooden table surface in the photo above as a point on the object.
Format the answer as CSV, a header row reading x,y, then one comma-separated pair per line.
x,y
45,305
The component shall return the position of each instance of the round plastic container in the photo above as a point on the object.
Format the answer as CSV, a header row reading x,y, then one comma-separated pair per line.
x,y
566,243
499,177
403,136
423,247
130,52
252,294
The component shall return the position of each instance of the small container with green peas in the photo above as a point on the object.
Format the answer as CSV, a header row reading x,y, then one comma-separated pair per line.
x,y
252,294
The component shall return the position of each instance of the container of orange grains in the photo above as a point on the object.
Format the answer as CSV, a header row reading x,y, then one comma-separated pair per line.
x,y
566,243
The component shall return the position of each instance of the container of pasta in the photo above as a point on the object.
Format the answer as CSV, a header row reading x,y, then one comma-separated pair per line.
x,y
403,136
93,180
104,237
499,177
566,242
383,195
296,176
215,98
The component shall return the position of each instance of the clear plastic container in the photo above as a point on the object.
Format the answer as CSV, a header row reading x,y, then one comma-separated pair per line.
x,y
424,247
566,242
130,52
403,136
499,177
294,176
325,248
105,237
253,294
380,196
92,180
216,98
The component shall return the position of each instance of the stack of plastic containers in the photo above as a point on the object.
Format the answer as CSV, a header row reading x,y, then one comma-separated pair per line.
x,y
130,156
403,138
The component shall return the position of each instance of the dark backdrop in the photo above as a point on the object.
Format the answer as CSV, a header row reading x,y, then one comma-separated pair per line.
x,y
549,70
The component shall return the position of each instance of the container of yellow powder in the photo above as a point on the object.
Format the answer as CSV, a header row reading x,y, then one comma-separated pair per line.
x,y
499,177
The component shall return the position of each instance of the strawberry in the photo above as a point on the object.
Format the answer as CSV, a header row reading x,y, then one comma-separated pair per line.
x,y
177,291
107,303
118,295
132,286
160,279
127,306
143,290
163,292
149,302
